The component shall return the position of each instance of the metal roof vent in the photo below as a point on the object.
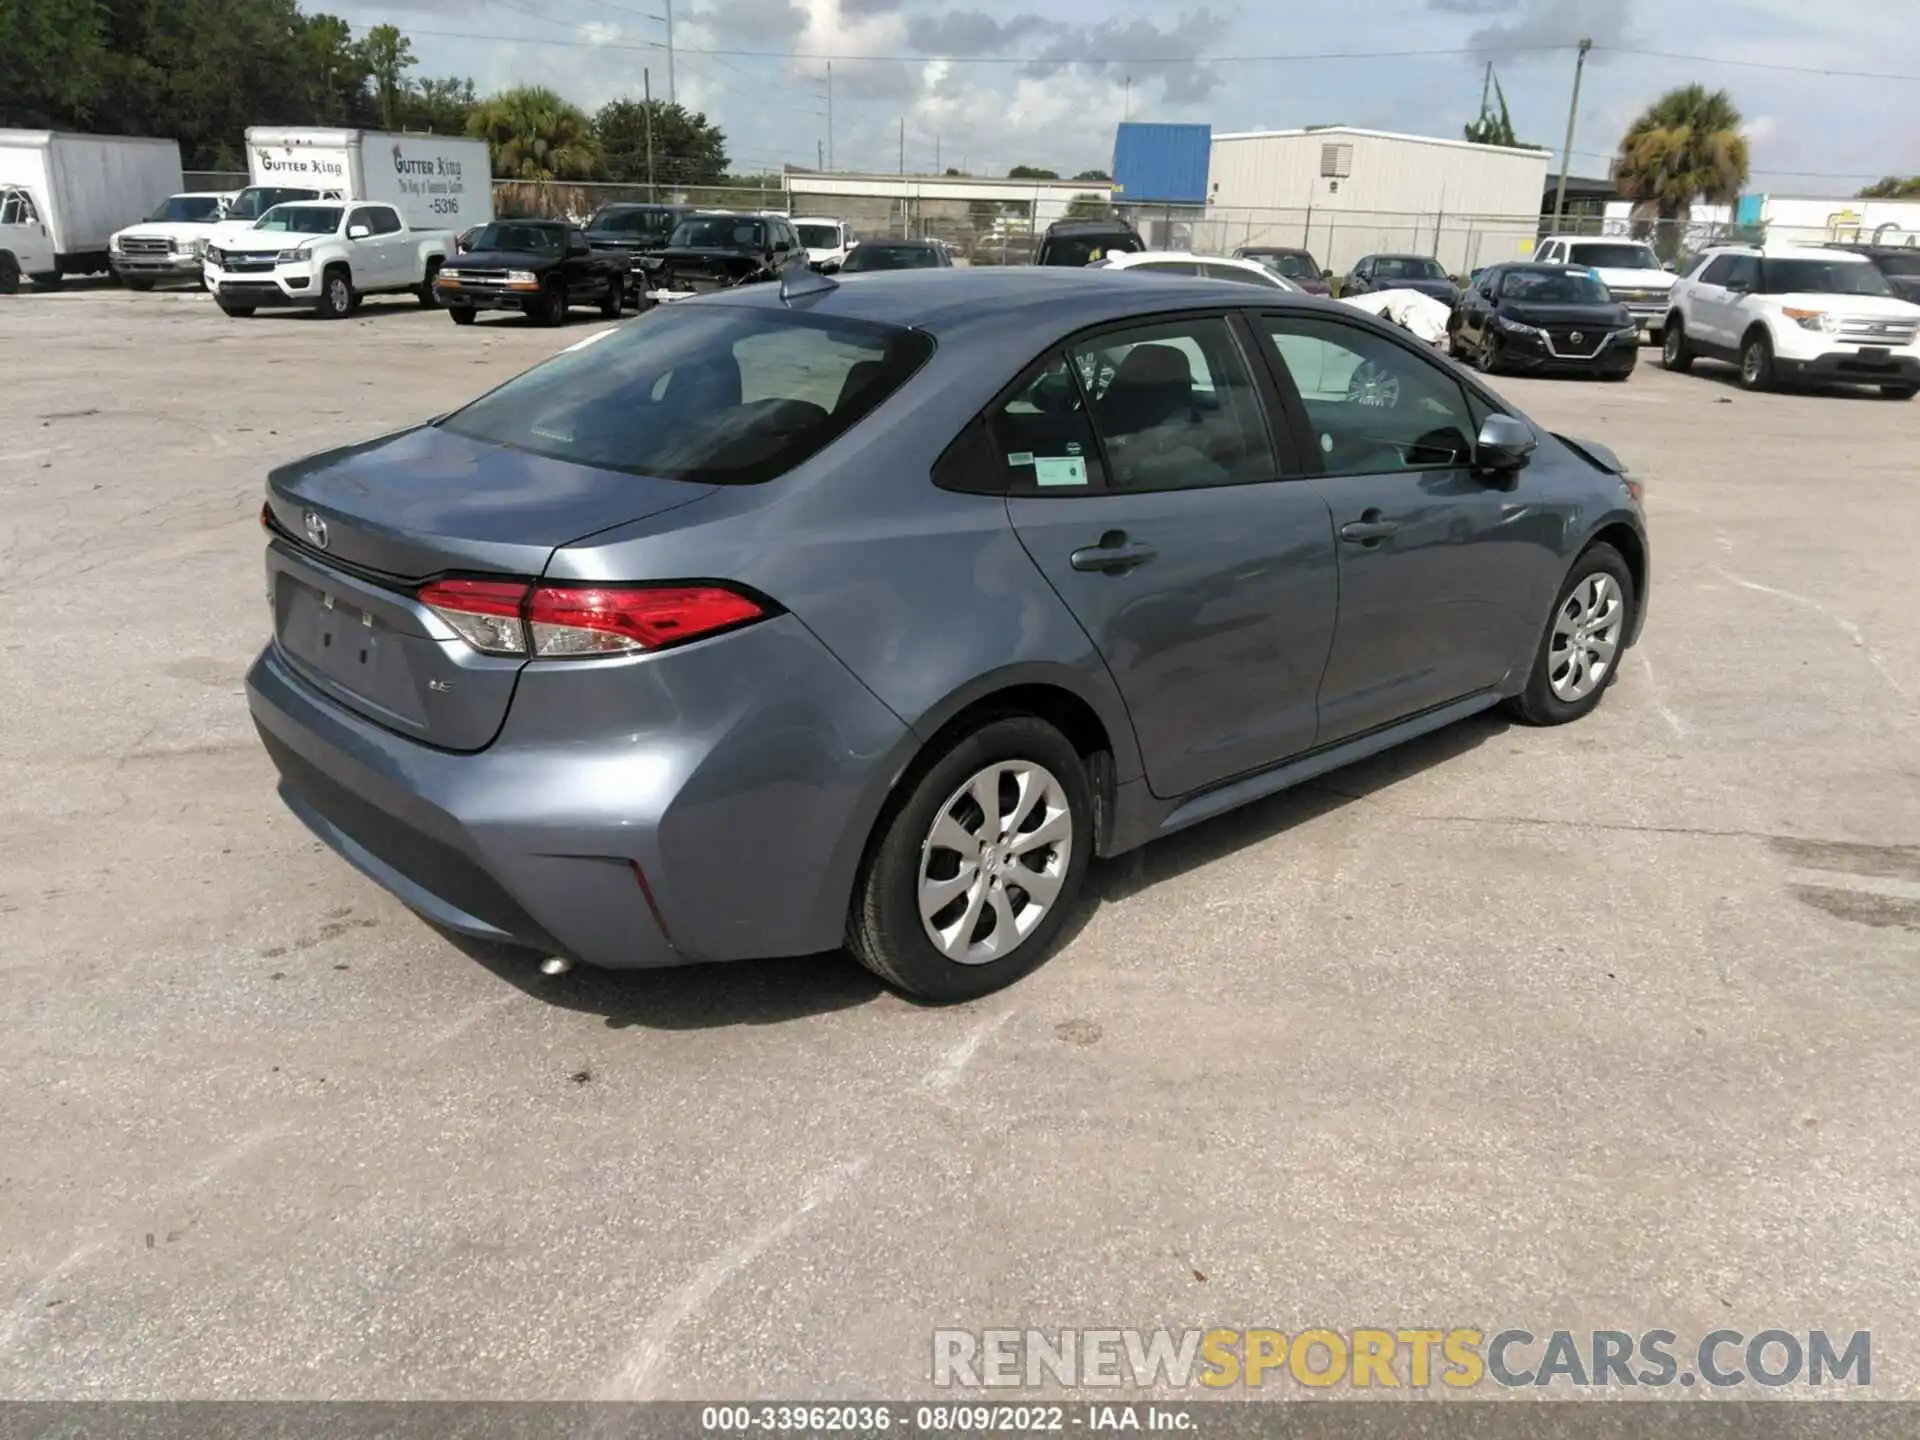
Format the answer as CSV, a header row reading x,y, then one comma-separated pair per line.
x,y
1336,160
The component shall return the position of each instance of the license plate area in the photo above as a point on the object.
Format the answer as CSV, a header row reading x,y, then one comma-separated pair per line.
x,y
347,646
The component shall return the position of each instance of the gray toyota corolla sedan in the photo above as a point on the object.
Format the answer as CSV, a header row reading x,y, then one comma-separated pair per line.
x,y
869,614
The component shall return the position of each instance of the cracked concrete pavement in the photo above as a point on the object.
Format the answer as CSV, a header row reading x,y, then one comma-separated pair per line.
x,y
1610,1026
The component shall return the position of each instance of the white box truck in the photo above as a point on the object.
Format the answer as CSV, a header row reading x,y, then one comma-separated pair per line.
x,y
63,196
436,182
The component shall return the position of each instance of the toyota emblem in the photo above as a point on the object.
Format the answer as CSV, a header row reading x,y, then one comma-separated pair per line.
x,y
316,530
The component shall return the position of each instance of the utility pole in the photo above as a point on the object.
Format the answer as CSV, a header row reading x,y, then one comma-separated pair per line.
x,y
829,115
1566,150
936,154
903,144
1126,102
820,154
646,89
673,97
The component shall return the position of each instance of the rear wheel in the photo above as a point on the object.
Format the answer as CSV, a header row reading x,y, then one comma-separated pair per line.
x,y
336,295
1900,392
1674,354
49,279
9,275
614,301
1756,361
462,314
1487,358
972,875
1579,654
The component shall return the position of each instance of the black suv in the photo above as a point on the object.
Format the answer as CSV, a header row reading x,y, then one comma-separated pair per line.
x,y
538,267
1081,242
718,250
634,229
1899,263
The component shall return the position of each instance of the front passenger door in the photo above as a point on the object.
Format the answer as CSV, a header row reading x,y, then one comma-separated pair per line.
x,y
1440,566
1143,481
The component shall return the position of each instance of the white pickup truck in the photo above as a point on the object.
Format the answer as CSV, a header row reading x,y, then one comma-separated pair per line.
x,y
1630,270
325,256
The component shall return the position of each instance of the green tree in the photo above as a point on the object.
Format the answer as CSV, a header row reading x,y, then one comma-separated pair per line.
x,y
388,55
535,135
1093,175
1494,126
1030,172
1686,146
1893,187
333,70
1089,207
52,55
441,105
687,150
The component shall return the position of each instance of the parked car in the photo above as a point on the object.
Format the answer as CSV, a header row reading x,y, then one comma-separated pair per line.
x,y
1899,263
1206,267
166,245
325,257
1293,265
1400,272
828,241
717,252
1081,242
1545,319
632,230
1631,271
893,255
536,669
539,268
63,196
1795,314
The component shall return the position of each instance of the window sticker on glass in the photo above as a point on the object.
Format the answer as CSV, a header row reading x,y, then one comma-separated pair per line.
x,y
1069,471
1025,457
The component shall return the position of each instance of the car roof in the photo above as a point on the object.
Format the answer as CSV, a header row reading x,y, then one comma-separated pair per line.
x,y
1396,255
1128,260
883,242
818,220
1788,252
1113,226
1273,250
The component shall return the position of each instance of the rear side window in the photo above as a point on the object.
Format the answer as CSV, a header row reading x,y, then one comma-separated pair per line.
x,y
714,394
1236,272
1169,267
1042,437
386,220
1717,270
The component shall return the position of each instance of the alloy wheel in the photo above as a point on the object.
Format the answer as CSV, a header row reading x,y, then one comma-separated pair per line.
x,y
1373,385
994,860
1586,637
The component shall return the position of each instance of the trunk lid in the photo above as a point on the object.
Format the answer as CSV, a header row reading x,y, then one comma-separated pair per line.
x,y
358,529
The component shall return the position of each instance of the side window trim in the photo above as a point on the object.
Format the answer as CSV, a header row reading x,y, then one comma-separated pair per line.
x,y
1284,415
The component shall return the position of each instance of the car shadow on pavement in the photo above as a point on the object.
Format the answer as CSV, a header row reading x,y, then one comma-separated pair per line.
x,y
768,992
1727,377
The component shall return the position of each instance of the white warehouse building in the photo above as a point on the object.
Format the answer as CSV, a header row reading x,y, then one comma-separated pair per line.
x,y
1342,193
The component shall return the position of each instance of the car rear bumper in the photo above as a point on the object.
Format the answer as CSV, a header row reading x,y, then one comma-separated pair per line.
x,y
708,803
1857,367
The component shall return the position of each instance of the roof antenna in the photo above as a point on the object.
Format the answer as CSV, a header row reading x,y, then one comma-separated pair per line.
x,y
799,281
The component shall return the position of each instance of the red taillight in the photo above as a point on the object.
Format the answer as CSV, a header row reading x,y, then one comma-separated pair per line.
x,y
562,621
266,517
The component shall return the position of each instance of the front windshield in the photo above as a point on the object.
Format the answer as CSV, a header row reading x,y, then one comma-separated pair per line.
x,y
1554,287
187,210
718,232
302,219
1621,256
891,257
1407,267
541,238
254,201
1821,277
819,237
1907,262
655,224
1293,265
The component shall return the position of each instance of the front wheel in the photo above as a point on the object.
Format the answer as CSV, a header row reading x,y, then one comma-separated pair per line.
x,y
552,309
1579,654
139,284
336,296
1487,358
1756,362
238,312
615,300
971,877
461,314
1674,354
1900,392
9,275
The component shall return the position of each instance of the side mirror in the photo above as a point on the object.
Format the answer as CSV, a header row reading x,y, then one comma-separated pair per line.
x,y
358,232
1504,444
1326,274
1669,267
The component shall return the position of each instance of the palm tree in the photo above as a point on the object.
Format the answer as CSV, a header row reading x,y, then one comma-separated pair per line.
x,y
1686,146
535,135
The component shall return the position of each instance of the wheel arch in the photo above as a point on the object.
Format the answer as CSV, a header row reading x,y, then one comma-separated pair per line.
x,y
1624,536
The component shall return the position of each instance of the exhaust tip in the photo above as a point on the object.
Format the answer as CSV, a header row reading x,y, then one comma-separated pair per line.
x,y
555,965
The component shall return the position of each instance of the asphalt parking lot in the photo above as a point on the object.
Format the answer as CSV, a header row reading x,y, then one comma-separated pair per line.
x,y
1610,1026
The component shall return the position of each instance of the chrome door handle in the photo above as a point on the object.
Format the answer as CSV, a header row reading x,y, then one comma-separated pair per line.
x,y
1114,555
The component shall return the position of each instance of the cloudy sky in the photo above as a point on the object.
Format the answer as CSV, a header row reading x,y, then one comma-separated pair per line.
x,y
986,84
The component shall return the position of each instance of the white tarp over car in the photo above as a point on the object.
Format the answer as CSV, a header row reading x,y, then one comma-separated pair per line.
x,y
1419,315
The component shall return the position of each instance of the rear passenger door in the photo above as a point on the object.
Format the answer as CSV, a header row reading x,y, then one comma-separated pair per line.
x,y
1437,582
1145,483
367,253
1708,304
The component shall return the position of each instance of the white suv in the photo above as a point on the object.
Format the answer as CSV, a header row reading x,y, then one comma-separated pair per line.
x,y
1795,313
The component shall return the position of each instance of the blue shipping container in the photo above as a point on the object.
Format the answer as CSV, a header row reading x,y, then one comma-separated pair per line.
x,y
1161,164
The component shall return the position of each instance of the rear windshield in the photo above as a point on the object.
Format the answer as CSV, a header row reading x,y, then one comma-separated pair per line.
x,y
254,201
1554,287
1407,267
1085,249
719,394
188,210
1292,264
657,224
891,257
530,239
819,237
1821,277
719,232
1615,257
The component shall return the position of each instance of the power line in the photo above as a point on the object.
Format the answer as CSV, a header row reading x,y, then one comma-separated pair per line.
x,y
1757,64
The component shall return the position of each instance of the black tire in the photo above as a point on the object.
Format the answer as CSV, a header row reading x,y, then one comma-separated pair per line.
x,y
1453,340
1756,361
1900,392
49,279
238,312
1674,354
336,294
884,928
9,275
1486,359
552,309
427,294
615,299
139,284
462,314
1537,704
